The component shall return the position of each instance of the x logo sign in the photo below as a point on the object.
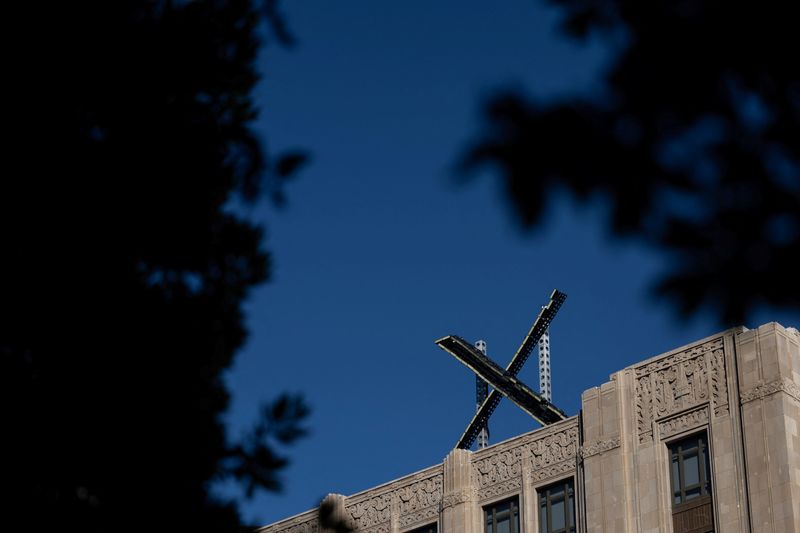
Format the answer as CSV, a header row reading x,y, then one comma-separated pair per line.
x,y
504,381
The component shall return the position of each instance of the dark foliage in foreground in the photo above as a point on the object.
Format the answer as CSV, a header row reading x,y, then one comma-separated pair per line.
x,y
123,273
694,142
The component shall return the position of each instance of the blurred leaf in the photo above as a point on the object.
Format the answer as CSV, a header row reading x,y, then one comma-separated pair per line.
x,y
693,142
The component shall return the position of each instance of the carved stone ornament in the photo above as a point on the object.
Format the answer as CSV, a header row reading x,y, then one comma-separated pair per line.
x,y
501,489
373,513
684,422
493,472
462,496
545,453
406,501
695,376
307,527
779,385
555,448
556,470
599,446
305,523
420,500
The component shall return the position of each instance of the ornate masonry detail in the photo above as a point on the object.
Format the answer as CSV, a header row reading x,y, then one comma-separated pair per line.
x,y
779,385
406,501
501,489
553,471
693,377
554,448
308,527
306,523
420,500
548,452
373,514
555,454
500,472
684,422
719,382
462,496
599,446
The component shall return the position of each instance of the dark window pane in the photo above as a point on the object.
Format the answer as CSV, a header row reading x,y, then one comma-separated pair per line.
x,y
571,509
558,515
691,470
543,517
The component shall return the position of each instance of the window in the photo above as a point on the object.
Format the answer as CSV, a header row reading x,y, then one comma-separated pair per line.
x,y
557,508
430,528
690,478
502,517
690,473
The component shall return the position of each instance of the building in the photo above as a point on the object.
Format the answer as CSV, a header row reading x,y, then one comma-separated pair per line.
x,y
701,438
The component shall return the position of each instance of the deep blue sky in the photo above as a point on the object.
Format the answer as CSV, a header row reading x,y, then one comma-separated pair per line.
x,y
380,252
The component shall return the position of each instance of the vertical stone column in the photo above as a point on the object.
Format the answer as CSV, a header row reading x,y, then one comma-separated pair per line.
x,y
460,513
727,453
769,391
529,506
607,496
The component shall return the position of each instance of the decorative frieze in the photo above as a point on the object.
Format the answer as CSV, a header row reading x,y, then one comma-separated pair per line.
x,y
554,471
420,500
779,385
501,489
407,501
312,526
554,448
684,422
305,523
599,446
372,514
677,382
492,472
429,514
548,452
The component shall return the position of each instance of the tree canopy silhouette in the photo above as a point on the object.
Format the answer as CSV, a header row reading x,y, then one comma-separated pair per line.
x,y
694,141
125,269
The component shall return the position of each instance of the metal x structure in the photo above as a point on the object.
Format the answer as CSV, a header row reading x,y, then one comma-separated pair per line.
x,y
504,381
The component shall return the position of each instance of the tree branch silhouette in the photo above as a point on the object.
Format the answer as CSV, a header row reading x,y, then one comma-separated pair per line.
x,y
693,142
125,269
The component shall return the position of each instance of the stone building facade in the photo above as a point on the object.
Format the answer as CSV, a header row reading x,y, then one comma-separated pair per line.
x,y
702,438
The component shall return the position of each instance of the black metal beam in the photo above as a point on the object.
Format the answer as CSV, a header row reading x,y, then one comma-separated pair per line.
x,y
481,418
540,325
509,386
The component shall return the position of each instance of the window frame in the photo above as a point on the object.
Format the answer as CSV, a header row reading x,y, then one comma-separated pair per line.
x,y
514,510
567,485
704,462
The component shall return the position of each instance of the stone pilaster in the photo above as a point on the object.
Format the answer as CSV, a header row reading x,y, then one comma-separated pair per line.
x,y
607,499
460,512
769,393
